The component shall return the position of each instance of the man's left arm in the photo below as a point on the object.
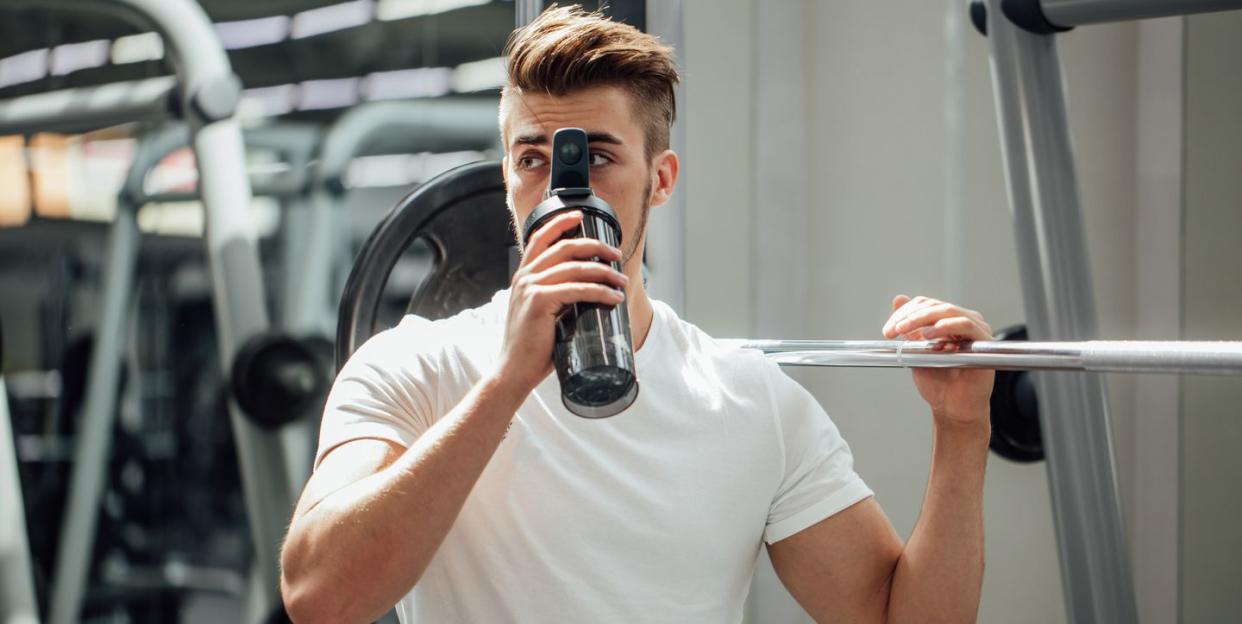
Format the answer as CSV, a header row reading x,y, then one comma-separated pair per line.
x,y
852,566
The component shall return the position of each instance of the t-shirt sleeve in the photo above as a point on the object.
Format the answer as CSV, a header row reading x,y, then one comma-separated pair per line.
x,y
818,473
385,390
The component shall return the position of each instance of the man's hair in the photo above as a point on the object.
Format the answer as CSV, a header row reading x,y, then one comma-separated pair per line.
x,y
567,49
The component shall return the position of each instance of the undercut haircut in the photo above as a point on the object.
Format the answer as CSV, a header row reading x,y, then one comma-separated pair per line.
x,y
567,49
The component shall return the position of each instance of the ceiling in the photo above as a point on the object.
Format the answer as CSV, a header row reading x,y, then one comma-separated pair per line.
x,y
443,39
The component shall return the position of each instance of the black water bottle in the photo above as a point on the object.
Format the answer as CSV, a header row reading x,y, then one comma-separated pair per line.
x,y
594,354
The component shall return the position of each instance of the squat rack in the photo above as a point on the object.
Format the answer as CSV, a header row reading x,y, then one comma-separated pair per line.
x,y
1056,285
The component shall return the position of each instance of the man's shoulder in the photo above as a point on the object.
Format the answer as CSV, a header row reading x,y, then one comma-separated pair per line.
x,y
417,337
699,347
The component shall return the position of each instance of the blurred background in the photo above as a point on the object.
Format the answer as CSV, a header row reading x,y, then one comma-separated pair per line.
x,y
834,154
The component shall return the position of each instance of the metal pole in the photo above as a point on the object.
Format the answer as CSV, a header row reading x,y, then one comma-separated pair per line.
x,y
1066,13
1060,305
94,432
1116,356
526,11
88,108
17,595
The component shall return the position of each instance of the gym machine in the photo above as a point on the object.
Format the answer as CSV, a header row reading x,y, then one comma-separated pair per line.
x,y
1056,285
17,595
204,91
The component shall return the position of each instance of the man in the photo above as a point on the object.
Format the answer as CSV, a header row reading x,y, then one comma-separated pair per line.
x,y
452,482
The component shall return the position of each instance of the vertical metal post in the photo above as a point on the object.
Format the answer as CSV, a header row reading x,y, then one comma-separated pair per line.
x,y
526,11
1057,292
17,596
240,312
94,432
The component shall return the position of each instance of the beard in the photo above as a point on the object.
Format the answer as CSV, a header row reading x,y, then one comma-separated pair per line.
x,y
629,249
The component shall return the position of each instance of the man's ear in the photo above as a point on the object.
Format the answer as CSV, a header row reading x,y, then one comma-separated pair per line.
x,y
504,169
665,168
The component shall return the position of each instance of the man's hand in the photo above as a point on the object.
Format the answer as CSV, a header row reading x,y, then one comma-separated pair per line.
x,y
957,396
554,273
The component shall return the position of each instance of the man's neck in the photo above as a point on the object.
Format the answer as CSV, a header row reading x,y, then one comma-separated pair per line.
x,y
640,309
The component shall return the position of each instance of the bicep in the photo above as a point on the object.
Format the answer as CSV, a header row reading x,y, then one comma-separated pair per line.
x,y
840,569
345,465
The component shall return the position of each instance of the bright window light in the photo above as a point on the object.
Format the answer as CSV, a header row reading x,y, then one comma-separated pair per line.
x,y
253,32
331,18
388,10
137,48
479,75
71,57
25,67
408,83
321,94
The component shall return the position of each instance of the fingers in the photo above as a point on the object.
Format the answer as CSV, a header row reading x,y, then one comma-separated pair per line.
x,y
579,271
571,249
927,318
550,232
957,328
551,298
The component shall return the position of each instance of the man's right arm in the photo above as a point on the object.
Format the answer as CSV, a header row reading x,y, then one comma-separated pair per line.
x,y
357,545
373,514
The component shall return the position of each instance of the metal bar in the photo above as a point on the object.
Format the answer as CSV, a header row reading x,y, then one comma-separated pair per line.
x,y
17,594
1060,305
1069,13
89,108
1133,356
94,433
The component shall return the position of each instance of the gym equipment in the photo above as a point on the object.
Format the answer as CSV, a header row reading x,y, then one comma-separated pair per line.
x,y
594,354
1015,410
17,595
439,125
278,379
1056,286
296,145
207,93
462,215
1102,356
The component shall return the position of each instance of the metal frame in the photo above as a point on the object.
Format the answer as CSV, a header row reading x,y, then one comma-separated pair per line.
x,y
17,595
1056,286
1069,13
381,127
1110,356
209,93
1060,305
87,485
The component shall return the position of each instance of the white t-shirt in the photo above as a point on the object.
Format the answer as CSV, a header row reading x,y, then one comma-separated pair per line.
x,y
656,514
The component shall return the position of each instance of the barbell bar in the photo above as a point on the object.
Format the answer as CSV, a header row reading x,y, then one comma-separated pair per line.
x,y
1105,356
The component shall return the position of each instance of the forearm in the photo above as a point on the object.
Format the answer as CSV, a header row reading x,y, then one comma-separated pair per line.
x,y
353,555
939,575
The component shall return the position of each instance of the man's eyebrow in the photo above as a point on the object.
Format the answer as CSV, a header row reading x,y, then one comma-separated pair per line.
x,y
592,137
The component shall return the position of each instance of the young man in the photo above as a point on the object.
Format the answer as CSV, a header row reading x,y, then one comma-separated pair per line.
x,y
452,482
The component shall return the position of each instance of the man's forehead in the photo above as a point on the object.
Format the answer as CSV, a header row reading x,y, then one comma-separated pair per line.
x,y
603,112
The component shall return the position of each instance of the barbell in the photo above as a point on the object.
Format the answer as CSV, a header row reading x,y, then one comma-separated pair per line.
x,y
1105,356
1016,429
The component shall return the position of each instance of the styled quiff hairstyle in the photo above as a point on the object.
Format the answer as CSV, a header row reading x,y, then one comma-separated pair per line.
x,y
567,49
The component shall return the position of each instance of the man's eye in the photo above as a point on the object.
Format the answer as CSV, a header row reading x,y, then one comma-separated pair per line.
x,y
598,159
530,162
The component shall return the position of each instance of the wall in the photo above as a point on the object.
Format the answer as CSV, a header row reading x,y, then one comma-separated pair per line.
x,y
1212,296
